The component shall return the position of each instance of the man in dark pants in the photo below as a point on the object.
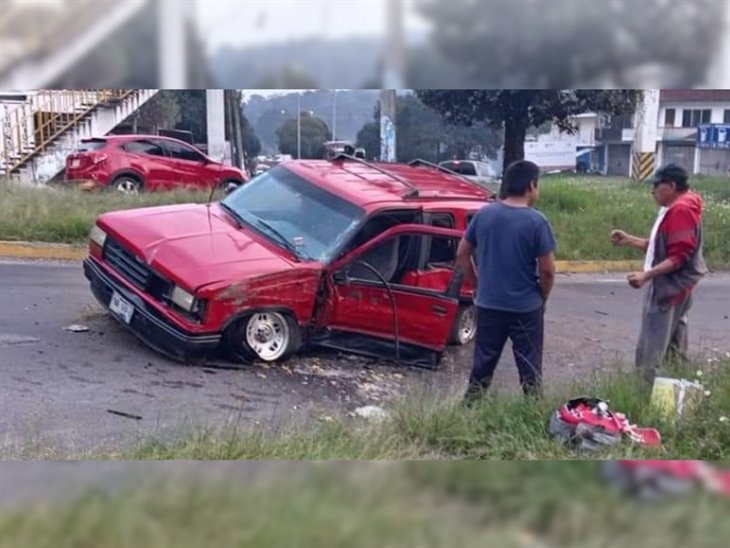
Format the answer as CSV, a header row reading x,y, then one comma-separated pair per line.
x,y
514,248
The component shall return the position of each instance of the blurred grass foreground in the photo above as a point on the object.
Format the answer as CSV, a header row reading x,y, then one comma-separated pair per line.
x,y
413,504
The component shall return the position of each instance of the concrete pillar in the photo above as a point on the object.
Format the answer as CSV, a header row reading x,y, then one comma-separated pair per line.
x,y
171,21
643,160
215,113
387,126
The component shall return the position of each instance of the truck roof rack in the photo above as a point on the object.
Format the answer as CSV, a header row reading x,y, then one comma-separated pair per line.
x,y
412,190
418,162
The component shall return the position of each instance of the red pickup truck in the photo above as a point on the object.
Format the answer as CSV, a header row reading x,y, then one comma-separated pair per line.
x,y
339,253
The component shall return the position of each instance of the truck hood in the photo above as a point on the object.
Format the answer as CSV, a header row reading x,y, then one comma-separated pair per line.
x,y
194,244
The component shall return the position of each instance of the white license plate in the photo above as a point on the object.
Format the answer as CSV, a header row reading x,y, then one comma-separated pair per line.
x,y
121,308
75,163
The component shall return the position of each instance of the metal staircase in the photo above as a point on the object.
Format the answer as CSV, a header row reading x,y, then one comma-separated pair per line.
x,y
38,133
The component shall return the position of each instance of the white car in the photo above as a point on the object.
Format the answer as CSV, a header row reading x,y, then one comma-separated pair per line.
x,y
479,172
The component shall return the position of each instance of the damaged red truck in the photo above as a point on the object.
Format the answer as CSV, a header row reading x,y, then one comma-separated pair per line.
x,y
337,253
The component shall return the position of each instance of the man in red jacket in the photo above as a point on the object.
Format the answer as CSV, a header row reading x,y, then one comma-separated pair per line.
x,y
673,266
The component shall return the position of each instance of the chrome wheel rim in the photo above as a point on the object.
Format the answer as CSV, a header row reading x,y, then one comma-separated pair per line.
x,y
267,334
127,186
467,326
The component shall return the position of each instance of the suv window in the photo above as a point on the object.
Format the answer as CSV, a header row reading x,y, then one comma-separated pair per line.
x,y
178,151
440,250
144,147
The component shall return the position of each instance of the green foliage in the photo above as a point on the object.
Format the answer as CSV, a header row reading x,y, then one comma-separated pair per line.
x,y
314,133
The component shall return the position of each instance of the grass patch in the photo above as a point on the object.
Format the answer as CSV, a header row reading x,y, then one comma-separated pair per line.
x,y
503,427
415,504
582,210
64,215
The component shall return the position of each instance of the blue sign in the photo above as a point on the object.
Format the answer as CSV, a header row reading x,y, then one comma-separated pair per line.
x,y
713,136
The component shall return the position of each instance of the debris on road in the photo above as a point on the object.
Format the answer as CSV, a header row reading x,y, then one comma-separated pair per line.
x,y
589,425
76,328
601,312
125,415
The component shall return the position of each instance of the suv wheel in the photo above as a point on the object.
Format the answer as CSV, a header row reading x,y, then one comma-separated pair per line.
x,y
127,184
265,335
465,326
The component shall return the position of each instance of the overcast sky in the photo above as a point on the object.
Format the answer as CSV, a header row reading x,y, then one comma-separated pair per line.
x,y
256,22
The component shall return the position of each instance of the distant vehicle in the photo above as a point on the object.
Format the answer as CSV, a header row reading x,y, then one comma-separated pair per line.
x,y
134,163
479,172
260,168
335,148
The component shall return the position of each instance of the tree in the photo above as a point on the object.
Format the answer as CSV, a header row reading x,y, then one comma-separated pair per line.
x,y
517,110
193,113
314,133
369,138
421,133
565,43
160,112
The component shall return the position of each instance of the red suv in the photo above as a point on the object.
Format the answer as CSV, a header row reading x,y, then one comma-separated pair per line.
x,y
131,163
337,253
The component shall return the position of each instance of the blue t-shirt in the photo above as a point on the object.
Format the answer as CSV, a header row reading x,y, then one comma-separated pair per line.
x,y
508,241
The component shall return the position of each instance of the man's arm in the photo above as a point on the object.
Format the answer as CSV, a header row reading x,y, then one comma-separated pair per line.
x,y
622,239
465,263
546,267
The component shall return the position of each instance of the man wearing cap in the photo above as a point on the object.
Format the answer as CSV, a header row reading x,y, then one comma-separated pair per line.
x,y
673,266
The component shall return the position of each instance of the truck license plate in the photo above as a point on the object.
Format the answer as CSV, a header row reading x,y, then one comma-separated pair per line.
x,y
121,308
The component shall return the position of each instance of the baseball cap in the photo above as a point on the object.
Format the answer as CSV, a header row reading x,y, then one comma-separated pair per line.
x,y
670,172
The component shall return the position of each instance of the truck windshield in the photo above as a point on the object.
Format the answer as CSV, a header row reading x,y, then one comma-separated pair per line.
x,y
295,214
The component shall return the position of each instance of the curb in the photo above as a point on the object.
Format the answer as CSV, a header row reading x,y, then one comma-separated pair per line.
x,y
43,251
597,267
78,252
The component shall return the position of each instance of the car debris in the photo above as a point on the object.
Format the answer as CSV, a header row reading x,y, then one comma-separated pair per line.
x,y
372,412
125,415
588,424
76,328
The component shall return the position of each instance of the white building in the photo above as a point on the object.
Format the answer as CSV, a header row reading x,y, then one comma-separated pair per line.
x,y
609,140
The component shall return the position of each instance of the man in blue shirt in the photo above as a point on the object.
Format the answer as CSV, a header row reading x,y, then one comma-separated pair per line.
x,y
513,247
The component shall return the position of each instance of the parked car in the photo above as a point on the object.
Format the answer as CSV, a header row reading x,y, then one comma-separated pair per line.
x,y
337,253
134,163
479,172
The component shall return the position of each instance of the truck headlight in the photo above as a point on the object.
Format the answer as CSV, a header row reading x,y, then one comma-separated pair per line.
x,y
97,235
183,299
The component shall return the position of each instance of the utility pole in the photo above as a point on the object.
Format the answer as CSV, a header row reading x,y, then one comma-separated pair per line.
x,y
334,114
215,110
394,50
299,126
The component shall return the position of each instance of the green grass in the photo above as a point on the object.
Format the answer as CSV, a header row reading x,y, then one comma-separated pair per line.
x,y
417,504
63,215
504,427
583,211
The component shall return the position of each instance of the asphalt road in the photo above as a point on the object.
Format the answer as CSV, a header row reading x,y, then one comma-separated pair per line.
x,y
57,387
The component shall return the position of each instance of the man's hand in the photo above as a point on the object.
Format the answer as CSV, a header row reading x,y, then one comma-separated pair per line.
x,y
637,279
619,238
